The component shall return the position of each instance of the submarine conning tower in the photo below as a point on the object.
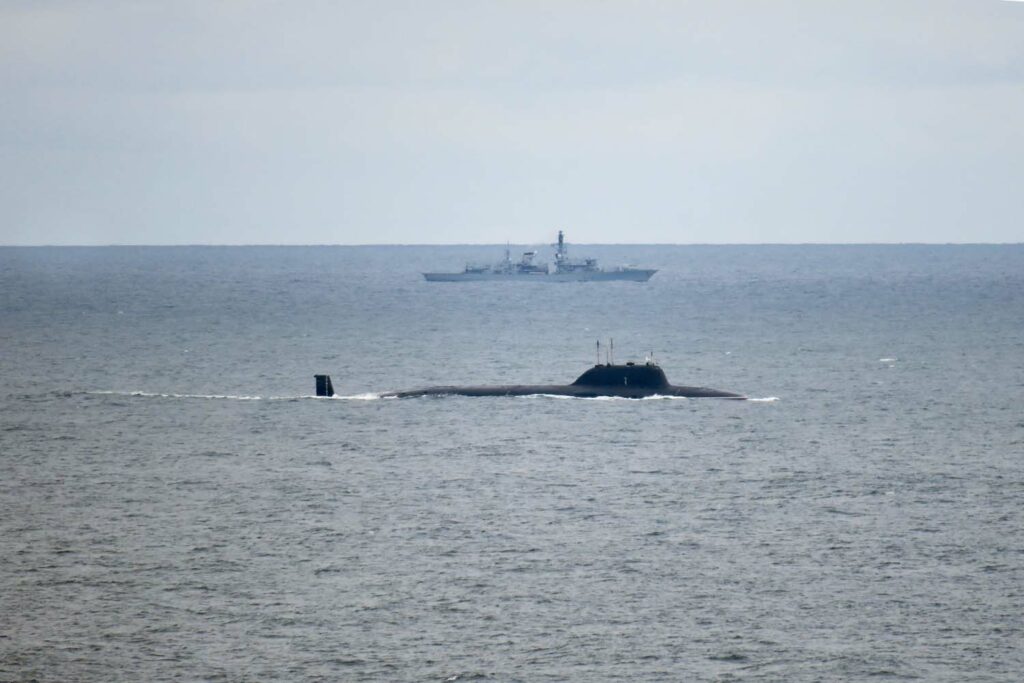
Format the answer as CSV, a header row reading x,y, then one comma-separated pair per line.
x,y
646,376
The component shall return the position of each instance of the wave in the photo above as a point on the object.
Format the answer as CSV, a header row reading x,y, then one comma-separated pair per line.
x,y
372,396
655,397
223,397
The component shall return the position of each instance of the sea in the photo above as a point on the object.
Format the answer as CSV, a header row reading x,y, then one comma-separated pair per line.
x,y
176,505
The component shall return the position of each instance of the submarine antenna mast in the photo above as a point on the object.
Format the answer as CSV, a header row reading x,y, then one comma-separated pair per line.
x,y
598,351
611,351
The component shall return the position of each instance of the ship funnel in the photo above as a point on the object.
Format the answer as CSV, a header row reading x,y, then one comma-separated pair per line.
x,y
323,385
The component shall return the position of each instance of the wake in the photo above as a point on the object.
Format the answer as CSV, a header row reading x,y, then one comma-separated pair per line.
x,y
227,397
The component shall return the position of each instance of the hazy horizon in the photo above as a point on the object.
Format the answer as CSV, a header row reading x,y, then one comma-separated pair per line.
x,y
515,244
648,122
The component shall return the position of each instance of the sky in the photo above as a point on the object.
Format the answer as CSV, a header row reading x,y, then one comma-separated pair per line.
x,y
488,121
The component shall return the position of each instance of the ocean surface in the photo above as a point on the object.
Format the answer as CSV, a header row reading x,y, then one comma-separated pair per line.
x,y
175,506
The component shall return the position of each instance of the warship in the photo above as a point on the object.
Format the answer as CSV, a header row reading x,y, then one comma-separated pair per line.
x,y
525,269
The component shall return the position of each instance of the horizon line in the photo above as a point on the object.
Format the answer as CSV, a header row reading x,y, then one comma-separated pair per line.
x,y
495,244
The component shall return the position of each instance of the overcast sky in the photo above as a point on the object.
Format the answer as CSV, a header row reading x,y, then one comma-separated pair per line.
x,y
266,122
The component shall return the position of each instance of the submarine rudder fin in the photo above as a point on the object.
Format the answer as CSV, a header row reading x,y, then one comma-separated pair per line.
x,y
324,386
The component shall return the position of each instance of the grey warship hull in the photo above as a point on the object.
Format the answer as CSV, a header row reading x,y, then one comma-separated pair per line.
x,y
525,270
625,274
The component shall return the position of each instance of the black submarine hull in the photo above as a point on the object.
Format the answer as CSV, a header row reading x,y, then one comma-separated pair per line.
x,y
619,381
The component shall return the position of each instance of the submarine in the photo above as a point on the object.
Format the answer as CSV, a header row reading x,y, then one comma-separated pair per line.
x,y
632,380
